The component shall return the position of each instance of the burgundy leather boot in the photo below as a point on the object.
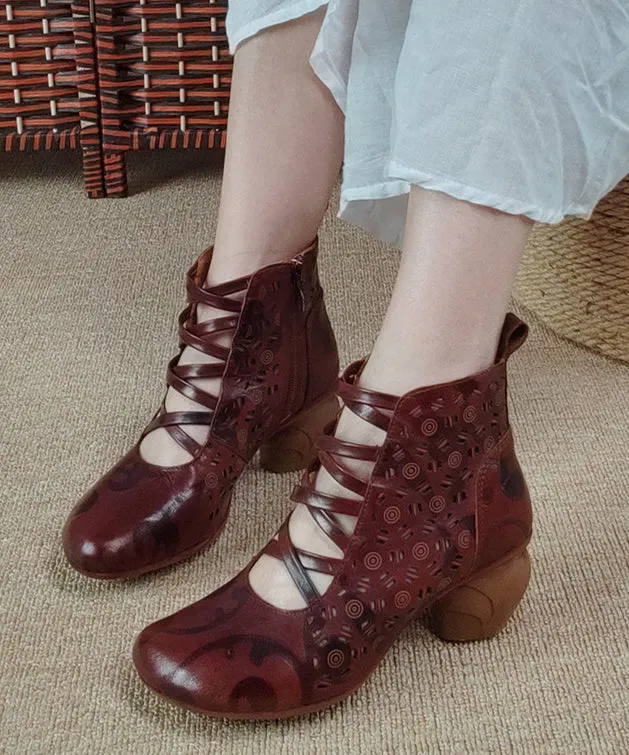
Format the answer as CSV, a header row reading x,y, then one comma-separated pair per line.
x,y
278,393
443,524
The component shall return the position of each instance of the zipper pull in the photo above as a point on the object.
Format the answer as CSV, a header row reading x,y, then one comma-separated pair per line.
x,y
299,283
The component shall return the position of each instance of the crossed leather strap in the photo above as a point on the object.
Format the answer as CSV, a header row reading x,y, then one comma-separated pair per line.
x,y
375,408
202,336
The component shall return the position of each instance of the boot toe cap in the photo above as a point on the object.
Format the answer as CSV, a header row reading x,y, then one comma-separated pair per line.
x,y
162,669
213,670
90,553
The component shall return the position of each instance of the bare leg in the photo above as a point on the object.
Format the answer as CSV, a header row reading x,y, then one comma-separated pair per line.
x,y
283,157
458,266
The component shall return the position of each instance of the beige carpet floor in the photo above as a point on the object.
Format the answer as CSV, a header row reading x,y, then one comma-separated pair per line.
x,y
89,292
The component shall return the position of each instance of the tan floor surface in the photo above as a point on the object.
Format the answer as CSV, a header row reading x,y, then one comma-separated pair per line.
x,y
89,293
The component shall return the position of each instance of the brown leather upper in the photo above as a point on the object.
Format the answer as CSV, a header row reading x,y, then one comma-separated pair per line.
x,y
446,499
283,358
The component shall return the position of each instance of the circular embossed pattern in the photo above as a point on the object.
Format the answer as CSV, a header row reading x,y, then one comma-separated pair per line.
x,y
402,600
421,551
373,561
429,427
470,413
354,608
336,658
392,515
410,470
242,436
211,480
455,459
489,443
266,357
257,396
464,540
437,504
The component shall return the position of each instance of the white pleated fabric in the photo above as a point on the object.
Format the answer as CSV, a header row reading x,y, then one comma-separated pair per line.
x,y
520,105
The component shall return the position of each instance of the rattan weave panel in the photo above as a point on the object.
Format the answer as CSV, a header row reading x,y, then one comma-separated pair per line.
x,y
48,88
164,77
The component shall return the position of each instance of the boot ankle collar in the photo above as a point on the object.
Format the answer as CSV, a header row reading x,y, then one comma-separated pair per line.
x,y
198,271
514,334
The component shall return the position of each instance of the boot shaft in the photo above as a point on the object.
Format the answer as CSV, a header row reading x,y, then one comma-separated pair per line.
x,y
450,451
283,356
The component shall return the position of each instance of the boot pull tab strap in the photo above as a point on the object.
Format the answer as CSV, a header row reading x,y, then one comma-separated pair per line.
x,y
514,334
198,272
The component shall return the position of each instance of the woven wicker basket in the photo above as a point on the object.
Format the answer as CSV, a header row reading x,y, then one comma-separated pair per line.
x,y
575,276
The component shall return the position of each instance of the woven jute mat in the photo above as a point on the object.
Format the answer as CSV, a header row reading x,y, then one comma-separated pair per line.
x,y
575,276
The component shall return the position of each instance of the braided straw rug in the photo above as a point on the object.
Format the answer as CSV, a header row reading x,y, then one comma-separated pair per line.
x,y
576,276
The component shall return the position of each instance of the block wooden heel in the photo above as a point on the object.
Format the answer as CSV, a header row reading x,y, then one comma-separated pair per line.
x,y
482,607
292,447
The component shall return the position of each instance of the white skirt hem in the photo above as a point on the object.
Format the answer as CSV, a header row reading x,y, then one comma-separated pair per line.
x,y
322,66
359,203
281,16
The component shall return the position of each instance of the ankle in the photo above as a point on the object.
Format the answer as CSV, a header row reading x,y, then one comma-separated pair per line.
x,y
232,259
397,366
410,374
228,265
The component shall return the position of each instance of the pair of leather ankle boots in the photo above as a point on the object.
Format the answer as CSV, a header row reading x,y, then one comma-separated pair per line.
x,y
443,522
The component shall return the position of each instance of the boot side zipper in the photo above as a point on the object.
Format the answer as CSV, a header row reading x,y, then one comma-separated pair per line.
x,y
296,386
